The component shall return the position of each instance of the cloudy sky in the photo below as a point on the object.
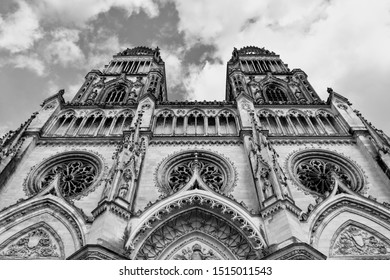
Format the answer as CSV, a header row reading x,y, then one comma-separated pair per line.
x,y
47,45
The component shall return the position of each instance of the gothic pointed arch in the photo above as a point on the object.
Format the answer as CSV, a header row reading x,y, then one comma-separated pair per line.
x,y
38,241
275,90
77,174
70,223
346,204
176,171
354,240
116,91
206,203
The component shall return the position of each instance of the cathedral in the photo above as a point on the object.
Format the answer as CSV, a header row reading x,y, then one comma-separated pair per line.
x,y
120,172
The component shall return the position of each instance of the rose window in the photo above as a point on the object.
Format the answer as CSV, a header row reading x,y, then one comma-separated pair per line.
x,y
210,174
76,175
315,171
317,175
212,170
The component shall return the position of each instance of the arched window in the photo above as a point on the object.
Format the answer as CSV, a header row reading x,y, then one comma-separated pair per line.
x,y
62,124
72,130
314,171
116,94
179,125
75,172
195,123
164,123
211,126
275,94
227,124
214,171
105,128
122,122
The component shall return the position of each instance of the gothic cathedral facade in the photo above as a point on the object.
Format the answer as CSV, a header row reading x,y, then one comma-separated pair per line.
x,y
121,172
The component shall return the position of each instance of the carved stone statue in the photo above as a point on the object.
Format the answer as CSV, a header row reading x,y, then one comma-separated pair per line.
x,y
195,253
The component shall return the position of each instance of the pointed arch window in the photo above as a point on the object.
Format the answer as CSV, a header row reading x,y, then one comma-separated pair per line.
x,y
177,171
275,94
75,172
164,123
227,124
116,94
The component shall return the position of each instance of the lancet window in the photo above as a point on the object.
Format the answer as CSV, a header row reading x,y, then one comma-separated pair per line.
x,y
62,124
68,125
164,123
196,123
275,94
116,94
298,123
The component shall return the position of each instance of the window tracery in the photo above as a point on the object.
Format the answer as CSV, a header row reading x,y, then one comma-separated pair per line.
x,y
116,94
314,171
75,175
210,173
275,94
215,172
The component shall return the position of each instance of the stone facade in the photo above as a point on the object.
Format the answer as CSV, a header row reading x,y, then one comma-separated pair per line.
x,y
120,172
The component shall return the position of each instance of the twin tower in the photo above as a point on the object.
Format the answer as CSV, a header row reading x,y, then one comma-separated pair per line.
x,y
121,172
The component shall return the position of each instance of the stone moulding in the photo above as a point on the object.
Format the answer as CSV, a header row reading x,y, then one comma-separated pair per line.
x,y
41,250
55,206
168,162
301,154
353,240
205,199
91,156
326,211
114,208
183,142
278,206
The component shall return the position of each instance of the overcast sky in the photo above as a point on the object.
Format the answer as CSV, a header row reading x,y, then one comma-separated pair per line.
x,y
48,45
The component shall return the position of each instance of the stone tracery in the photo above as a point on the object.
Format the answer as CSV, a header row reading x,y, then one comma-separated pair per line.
x,y
215,172
353,241
314,171
73,175
193,222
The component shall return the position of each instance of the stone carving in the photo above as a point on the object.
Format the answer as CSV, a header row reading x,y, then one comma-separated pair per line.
x,y
75,176
36,244
316,175
190,223
177,170
255,90
355,241
182,173
196,253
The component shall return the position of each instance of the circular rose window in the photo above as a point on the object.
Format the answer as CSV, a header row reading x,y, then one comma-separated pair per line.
x,y
176,172
314,171
75,174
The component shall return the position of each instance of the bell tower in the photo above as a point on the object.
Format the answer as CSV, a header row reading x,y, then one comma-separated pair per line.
x,y
262,75
129,76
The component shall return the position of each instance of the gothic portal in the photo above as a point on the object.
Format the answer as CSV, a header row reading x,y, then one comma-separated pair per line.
x,y
121,172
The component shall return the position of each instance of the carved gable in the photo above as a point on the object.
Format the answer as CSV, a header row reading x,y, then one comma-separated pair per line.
x,y
37,243
354,241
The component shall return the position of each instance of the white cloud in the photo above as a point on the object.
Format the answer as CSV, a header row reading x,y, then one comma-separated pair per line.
x,y
174,66
30,62
80,12
63,48
206,82
19,31
102,49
